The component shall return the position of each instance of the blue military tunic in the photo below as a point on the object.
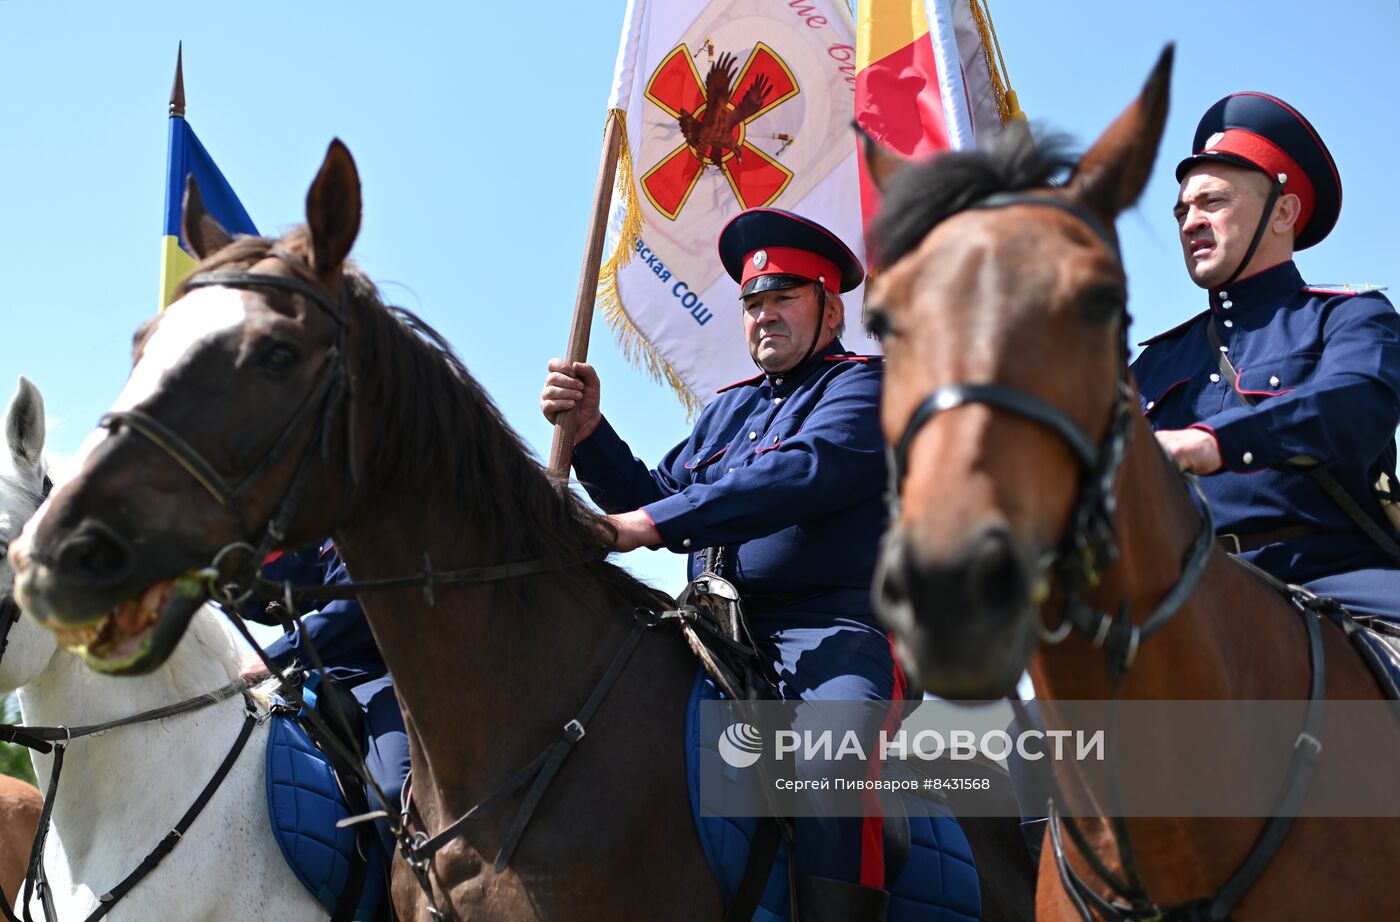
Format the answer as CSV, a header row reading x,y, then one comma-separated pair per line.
x,y
786,471
1324,365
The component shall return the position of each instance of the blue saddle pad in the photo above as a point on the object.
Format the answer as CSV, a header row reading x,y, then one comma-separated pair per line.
x,y
937,884
304,803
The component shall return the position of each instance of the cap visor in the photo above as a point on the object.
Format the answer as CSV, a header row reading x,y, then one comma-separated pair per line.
x,y
772,283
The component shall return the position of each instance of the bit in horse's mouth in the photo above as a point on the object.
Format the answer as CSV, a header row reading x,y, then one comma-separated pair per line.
x,y
121,640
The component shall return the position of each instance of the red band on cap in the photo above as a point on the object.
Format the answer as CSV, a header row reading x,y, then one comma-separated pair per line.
x,y
789,261
1270,158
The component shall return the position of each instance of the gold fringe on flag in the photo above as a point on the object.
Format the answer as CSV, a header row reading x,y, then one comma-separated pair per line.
x,y
634,345
1008,106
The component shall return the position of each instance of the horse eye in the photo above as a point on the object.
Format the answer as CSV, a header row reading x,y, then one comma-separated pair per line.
x,y
280,357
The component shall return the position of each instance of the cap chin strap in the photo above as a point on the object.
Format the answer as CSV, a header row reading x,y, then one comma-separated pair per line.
x,y
1275,190
816,335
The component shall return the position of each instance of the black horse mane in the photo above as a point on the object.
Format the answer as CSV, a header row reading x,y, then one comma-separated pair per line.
x,y
922,195
436,427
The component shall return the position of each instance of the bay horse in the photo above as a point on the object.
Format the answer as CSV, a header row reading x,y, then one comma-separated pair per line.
x,y
306,385
1040,524
120,792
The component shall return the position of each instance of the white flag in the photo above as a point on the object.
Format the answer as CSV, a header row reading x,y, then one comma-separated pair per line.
x,y
784,75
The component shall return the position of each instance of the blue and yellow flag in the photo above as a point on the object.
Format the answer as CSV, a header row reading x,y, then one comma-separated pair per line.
x,y
187,157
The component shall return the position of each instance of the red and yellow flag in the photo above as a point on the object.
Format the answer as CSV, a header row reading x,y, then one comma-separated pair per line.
x,y
929,78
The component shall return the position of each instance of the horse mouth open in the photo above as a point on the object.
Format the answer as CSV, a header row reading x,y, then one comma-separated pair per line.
x,y
139,634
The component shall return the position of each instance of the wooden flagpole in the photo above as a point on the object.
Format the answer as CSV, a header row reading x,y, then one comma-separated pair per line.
x,y
561,452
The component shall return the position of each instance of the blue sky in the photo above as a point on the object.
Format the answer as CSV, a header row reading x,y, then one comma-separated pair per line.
x,y
477,130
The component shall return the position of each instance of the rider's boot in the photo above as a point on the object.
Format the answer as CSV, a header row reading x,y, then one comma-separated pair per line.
x,y
821,899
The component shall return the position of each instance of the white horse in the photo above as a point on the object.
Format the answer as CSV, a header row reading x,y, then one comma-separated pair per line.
x,y
122,791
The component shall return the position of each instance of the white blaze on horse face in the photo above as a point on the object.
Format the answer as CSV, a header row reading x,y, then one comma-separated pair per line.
x,y
200,315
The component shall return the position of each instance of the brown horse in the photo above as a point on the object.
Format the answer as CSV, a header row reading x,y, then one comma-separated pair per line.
x,y
1002,311
411,462
20,805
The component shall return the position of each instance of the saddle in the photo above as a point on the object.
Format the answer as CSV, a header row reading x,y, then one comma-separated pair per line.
x,y
1377,642
309,792
929,868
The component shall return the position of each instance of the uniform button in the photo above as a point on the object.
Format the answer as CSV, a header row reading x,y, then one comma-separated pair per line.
x,y
1229,323
685,543
1151,404
1224,294
729,471
777,380
1224,348
1273,382
1228,304
1215,379
1247,457
752,436
777,400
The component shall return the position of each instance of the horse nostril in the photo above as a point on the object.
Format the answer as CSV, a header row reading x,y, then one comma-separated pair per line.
x,y
95,555
996,578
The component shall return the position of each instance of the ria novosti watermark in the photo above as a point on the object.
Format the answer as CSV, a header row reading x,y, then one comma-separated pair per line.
x,y
1144,758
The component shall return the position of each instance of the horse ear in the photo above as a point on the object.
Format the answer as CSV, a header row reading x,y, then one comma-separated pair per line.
x,y
880,162
333,210
24,425
204,235
1115,170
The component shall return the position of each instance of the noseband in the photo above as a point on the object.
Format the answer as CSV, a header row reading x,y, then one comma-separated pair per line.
x,y
327,393
1088,547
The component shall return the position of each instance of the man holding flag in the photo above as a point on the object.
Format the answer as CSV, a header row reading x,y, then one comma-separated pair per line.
x,y
785,472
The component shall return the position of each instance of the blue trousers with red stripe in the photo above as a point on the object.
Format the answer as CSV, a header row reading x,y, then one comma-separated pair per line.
x,y
827,658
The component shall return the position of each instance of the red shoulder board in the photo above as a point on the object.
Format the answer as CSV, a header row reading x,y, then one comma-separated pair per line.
x,y
862,359
1174,330
755,379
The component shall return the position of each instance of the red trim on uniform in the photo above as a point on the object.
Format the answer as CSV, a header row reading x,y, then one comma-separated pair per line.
x,y
1336,292
792,261
872,829
862,359
691,467
1174,330
728,387
1157,401
1239,374
650,519
1273,160
271,557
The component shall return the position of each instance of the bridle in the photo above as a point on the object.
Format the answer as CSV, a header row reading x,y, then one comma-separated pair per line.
x,y
1088,546
330,389
1085,552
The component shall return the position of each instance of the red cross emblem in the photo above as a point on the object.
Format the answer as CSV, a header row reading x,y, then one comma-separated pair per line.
x,y
714,115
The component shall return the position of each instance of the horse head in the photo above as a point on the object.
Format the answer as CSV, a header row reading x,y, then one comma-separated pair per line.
x,y
24,649
231,437
1001,307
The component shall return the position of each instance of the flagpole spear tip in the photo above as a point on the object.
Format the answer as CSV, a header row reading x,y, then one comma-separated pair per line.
x,y
177,92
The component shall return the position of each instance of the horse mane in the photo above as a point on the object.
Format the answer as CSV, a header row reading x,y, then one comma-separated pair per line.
x,y
440,429
922,195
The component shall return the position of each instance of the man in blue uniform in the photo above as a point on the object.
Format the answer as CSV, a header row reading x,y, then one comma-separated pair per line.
x,y
1287,396
785,471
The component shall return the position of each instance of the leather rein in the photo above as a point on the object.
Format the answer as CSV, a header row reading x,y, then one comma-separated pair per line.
x,y
1086,551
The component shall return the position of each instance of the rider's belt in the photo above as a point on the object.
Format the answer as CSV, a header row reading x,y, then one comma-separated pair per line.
x,y
772,601
1242,544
